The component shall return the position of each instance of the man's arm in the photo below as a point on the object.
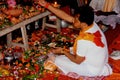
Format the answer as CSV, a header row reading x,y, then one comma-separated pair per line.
x,y
61,14
74,58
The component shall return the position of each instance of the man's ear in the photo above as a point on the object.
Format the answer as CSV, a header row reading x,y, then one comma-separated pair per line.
x,y
84,24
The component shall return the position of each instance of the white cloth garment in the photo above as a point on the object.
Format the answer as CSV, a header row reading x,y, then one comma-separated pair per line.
x,y
96,58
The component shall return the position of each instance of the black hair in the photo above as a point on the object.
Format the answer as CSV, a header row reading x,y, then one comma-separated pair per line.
x,y
86,14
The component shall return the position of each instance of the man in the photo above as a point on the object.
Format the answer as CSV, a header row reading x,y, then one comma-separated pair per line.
x,y
89,54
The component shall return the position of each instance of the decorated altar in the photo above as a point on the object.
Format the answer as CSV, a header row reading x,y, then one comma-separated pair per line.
x,y
19,64
16,63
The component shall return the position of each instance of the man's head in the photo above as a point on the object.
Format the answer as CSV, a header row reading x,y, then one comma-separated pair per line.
x,y
85,14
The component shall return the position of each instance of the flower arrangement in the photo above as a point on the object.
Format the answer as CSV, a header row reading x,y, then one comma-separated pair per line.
x,y
11,3
30,64
52,39
28,67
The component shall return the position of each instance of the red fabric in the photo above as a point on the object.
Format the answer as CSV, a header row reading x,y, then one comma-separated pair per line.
x,y
97,33
114,76
115,45
97,39
115,64
111,34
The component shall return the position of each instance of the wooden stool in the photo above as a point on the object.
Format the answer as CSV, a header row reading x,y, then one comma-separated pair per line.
x,y
24,37
22,25
57,25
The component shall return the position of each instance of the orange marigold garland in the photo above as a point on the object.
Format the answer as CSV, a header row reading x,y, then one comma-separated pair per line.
x,y
94,37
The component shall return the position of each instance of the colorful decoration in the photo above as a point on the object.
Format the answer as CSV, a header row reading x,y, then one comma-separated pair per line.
x,y
30,65
11,3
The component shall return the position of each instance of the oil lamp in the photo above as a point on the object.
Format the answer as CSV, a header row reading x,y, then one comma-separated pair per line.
x,y
55,4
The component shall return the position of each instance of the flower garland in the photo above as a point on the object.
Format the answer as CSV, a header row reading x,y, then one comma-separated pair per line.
x,y
94,37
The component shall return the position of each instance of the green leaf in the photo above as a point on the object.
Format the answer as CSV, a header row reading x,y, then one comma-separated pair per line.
x,y
30,77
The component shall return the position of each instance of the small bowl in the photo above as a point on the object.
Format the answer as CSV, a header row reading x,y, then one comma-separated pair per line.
x,y
8,59
64,24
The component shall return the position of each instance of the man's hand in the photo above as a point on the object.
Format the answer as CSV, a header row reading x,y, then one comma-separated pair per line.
x,y
57,50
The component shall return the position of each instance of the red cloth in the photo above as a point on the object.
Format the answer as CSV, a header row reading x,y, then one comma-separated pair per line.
x,y
115,44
